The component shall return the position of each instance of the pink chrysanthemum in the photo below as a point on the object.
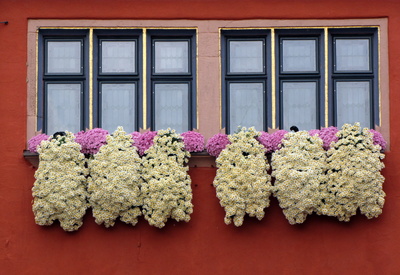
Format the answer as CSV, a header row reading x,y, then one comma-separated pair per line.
x,y
216,144
328,135
313,132
91,140
35,141
194,141
135,137
272,141
378,139
144,141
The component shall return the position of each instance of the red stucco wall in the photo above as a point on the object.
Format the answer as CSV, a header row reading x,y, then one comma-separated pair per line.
x,y
205,245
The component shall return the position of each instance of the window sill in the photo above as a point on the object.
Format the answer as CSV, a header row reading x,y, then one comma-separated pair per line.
x,y
197,159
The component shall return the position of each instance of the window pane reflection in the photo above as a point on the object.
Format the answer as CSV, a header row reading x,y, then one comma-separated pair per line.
x,y
246,57
172,106
352,55
64,57
299,55
118,57
299,105
118,106
353,103
246,105
171,57
63,108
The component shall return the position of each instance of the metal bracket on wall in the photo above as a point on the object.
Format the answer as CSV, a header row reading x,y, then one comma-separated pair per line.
x,y
4,22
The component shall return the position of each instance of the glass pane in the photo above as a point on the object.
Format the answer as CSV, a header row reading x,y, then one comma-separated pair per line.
x,y
353,103
171,57
299,105
172,107
63,110
118,57
352,55
246,105
299,55
118,106
246,57
64,57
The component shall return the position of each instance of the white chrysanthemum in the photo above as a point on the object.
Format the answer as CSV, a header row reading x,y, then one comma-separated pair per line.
x,y
60,188
354,178
114,182
242,182
166,188
299,170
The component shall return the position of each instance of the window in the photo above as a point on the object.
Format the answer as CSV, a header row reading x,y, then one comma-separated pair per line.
x,y
210,75
309,78
246,78
300,78
97,78
173,77
354,76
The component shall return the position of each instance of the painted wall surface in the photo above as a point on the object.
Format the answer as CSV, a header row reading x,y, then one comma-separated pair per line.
x,y
205,245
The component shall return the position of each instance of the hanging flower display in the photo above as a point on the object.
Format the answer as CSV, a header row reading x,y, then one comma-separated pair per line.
x,y
114,182
242,183
354,178
166,188
60,188
299,169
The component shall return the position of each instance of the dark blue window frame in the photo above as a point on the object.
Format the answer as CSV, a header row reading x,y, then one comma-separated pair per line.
x,y
260,77
154,35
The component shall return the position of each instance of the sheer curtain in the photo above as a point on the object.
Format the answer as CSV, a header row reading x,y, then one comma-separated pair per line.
x,y
118,106
63,108
299,105
246,105
171,106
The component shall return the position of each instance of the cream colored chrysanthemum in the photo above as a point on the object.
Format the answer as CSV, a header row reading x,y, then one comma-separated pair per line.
x,y
242,183
299,170
354,178
166,188
114,182
60,188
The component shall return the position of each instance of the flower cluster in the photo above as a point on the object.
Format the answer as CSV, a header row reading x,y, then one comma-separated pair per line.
x,y
328,135
216,144
114,182
354,178
135,136
299,168
166,188
35,141
194,141
242,183
60,188
272,142
378,139
91,140
143,141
